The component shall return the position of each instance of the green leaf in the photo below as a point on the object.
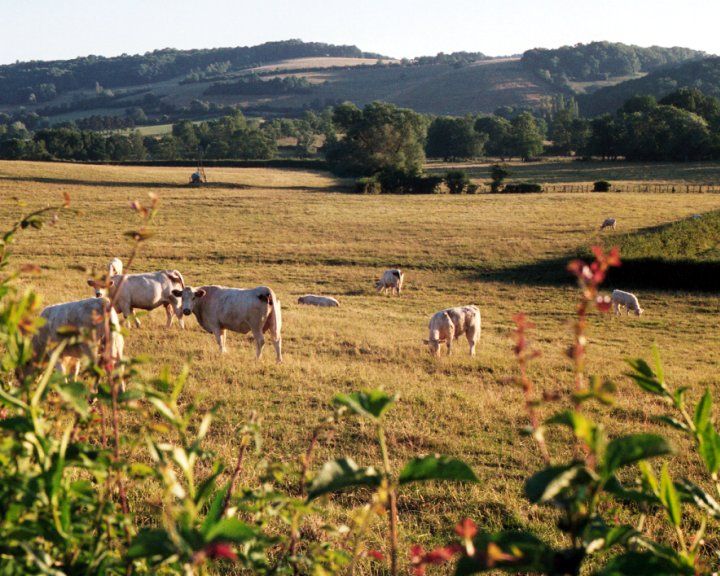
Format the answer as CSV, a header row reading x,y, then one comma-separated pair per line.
x,y
644,564
154,544
599,536
368,403
76,395
649,480
214,512
230,530
583,428
627,450
436,468
622,494
703,411
163,409
550,482
699,497
674,422
669,497
709,448
336,475
644,377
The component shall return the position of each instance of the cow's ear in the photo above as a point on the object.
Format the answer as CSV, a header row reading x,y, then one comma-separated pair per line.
x,y
199,293
111,283
91,282
177,293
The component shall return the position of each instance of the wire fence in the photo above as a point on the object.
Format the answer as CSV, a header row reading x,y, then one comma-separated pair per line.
x,y
639,188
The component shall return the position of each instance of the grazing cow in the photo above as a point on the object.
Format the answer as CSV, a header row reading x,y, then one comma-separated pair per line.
x,y
219,309
83,315
115,268
448,325
314,300
144,292
391,279
608,223
626,299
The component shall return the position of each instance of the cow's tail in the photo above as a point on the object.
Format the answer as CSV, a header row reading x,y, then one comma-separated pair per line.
x,y
276,314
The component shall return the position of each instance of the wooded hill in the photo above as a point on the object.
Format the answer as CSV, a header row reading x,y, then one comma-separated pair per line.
x,y
286,78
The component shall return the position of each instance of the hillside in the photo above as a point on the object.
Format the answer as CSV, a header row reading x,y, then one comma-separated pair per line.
x,y
602,61
285,78
702,74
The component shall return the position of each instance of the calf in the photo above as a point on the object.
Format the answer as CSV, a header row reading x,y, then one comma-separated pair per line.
x,y
392,280
314,300
608,223
448,325
144,292
83,315
219,309
626,299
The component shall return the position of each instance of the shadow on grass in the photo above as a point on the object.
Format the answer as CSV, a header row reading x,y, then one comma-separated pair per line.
x,y
178,185
647,273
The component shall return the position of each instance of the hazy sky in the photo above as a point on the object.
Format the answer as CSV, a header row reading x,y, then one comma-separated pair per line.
x,y
52,29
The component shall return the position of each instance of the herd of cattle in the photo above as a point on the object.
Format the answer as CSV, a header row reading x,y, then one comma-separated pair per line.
x,y
219,309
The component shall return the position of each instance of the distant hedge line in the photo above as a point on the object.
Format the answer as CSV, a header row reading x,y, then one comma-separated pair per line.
x,y
307,163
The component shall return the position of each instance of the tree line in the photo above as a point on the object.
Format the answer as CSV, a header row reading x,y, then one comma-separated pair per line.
x,y
381,138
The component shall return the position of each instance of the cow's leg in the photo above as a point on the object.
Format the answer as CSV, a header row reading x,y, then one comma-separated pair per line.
x,y
472,341
277,343
168,315
449,345
616,308
223,336
218,333
259,341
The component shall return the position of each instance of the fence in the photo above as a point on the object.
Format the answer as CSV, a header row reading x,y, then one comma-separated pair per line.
x,y
639,187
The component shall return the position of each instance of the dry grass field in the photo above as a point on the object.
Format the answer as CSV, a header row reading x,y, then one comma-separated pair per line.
x,y
293,231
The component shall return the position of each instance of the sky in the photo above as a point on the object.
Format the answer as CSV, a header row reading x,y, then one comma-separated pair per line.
x,y
52,30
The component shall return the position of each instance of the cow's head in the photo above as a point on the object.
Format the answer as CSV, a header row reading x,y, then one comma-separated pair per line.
x,y
433,345
101,288
639,311
188,297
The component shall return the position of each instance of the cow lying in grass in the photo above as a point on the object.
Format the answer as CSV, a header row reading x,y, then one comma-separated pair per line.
x,y
315,300
448,325
219,309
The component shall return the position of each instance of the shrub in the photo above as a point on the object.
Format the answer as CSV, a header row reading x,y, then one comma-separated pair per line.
x,y
498,174
522,188
399,183
601,186
457,181
369,185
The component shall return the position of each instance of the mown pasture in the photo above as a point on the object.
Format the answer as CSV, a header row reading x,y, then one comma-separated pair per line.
x,y
294,231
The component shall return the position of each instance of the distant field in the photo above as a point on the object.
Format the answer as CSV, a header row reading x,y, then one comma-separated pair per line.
x,y
320,62
295,232
577,172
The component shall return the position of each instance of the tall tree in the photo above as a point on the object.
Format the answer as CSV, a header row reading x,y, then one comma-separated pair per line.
x,y
378,138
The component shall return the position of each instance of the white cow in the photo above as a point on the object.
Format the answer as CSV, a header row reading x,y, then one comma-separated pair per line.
x,y
83,315
315,300
608,223
448,325
219,309
115,268
626,299
392,280
144,292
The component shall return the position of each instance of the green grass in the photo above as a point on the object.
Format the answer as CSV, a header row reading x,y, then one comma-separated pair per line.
x,y
294,231
696,239
619,174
